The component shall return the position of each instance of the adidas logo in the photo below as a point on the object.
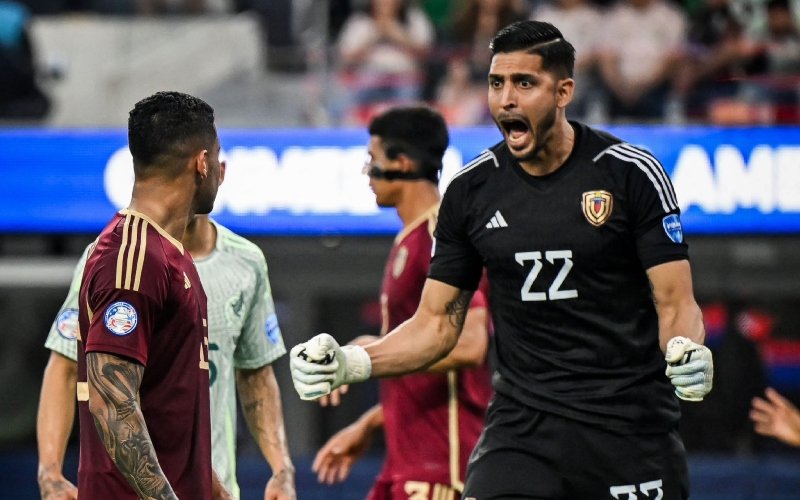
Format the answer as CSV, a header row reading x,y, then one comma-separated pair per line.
x,y
497,220
186,283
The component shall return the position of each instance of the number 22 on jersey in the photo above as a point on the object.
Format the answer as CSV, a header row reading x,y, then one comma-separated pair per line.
x,y
561,258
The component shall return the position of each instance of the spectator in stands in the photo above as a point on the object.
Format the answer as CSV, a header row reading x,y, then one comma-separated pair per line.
x,y
460,98
778,62
717,53
768,89
775,416
20,95
476,23
642,43
578,20
459,70
381,52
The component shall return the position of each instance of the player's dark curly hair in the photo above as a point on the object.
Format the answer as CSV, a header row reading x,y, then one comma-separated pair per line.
x,y
419,132
168,126
537,37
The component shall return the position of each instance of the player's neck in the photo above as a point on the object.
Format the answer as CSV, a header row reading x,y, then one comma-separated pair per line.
x,y
417,199
555,152
164,204
200,238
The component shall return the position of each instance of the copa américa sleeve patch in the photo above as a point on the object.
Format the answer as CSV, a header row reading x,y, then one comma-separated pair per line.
x,y
67,324
121,318
673,228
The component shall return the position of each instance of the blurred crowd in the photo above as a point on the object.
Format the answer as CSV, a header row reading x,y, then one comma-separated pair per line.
x,y
717,61
727,62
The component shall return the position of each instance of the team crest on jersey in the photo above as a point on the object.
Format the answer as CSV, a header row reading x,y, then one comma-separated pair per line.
x,y
67,324
673,228
597,206
121,318
234,310
399,262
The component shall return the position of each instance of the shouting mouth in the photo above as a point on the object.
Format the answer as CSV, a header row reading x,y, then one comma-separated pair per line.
x,y
517,131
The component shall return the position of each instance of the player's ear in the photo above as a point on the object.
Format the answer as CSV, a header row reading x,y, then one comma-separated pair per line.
x,y
222,166
200,163
565,89
407,164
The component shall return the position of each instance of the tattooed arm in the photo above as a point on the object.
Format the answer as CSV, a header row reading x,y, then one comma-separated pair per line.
x,y
427,336
260,398
113,386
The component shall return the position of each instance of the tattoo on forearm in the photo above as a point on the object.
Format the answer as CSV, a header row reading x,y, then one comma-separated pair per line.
x,y
52,483
121,426
261,405
457,309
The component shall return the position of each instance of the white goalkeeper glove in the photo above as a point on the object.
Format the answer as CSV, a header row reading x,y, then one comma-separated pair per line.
x,y
321,365
690,368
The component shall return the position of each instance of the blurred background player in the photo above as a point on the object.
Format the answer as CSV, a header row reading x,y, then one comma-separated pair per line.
x,y
143,370
244,339
597,328
431,421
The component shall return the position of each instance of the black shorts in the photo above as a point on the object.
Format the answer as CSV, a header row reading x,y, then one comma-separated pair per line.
x,y
526,453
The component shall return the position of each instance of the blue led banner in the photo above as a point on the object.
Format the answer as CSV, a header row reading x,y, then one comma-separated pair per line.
x,y
309,182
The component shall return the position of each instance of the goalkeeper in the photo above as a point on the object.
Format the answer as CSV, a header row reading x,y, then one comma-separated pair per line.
x,y
596,325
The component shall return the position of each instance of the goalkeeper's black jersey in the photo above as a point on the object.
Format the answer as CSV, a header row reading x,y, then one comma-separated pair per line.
x,y
567,255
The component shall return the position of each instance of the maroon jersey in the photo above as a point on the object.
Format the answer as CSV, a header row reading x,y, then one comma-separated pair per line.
x,y
141,299
431,420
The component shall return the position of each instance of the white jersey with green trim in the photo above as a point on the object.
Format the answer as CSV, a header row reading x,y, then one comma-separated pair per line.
x,y
242,325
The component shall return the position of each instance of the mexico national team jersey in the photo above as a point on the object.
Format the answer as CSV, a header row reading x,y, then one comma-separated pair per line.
x,y
431,420
63,334
243,332
566,254
141,299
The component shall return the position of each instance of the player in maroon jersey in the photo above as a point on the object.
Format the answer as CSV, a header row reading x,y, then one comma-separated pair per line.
x,y
142,390
431,420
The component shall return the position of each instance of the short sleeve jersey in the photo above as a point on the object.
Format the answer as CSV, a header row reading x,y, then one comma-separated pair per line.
x,y
141,299
243,334
431,420
64,330
576,329
242,327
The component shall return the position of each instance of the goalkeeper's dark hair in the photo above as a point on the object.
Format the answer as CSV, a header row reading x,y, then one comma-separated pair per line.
x,y
168,126
419,132
541,38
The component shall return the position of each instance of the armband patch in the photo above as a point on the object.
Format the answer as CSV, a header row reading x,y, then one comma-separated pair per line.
x,y
121,318
272,329
673,228
67,324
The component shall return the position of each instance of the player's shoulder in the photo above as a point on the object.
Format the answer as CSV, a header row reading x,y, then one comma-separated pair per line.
x,y
237,246
606,149
132,246
477,170
420,232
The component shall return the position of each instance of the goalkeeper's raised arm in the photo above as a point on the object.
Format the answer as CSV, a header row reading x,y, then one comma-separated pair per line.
x,y
320,365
